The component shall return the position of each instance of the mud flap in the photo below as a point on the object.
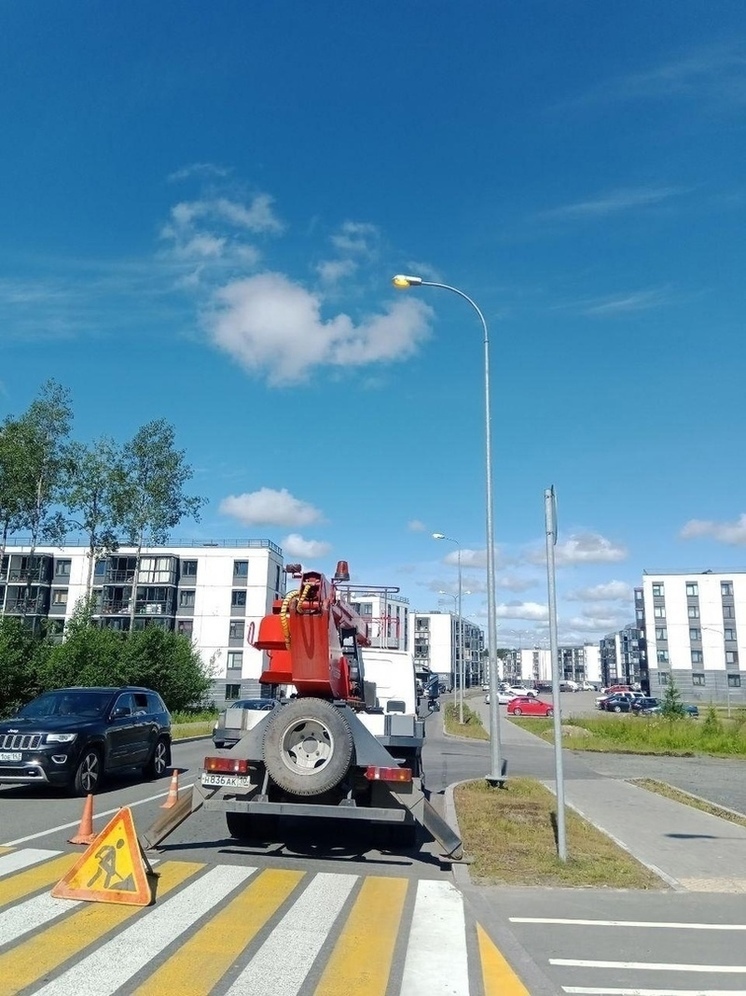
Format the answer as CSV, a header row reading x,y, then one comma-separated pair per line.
x,y
168,821
423,812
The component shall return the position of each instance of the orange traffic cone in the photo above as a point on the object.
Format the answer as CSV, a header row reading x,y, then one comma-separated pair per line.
x,y
85,834
173,791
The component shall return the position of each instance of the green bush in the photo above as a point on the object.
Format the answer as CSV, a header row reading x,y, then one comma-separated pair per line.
x,y
21,659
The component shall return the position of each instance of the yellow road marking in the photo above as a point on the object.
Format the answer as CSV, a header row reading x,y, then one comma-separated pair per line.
x,y
361,960
498,977
5,850
48,949
203,960
37,877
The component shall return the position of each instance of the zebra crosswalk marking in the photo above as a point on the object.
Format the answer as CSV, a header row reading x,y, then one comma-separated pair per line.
x,y
14,861
112,965
32,915
205,958
46,951
33,879
302,931
437,962
361,960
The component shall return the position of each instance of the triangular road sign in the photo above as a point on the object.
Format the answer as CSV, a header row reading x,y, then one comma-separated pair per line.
x,y
112,869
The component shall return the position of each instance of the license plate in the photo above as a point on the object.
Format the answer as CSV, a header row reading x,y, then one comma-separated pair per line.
x,y
11,756
243,781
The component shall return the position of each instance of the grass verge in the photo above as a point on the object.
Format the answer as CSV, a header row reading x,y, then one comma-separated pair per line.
x,y
511,837
638,735
662,788
471,727
181,731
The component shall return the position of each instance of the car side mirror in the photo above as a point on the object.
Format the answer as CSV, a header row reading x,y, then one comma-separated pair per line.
x,y
120,712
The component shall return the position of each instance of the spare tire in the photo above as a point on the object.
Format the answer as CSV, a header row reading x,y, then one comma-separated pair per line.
x,y
308,746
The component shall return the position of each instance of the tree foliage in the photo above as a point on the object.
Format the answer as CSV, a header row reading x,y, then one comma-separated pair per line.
x,y
21,665
672,705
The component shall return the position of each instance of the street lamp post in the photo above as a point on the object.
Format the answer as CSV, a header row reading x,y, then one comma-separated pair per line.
x,y
496,775
460,644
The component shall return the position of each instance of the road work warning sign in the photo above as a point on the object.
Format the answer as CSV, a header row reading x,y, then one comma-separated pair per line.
x,y
112,869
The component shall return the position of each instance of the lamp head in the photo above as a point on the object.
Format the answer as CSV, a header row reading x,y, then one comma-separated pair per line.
x,y
403,281
439,536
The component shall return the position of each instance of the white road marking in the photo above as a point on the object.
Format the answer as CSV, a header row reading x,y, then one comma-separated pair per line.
x,y
605,991
628,923
10,863
650,966
113,964
280,966
436,961
97,816
33,913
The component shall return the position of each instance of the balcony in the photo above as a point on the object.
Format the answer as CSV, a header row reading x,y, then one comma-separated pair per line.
x,y
115,607
120,577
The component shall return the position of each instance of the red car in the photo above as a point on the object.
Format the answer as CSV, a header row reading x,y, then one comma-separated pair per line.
x,y
527,705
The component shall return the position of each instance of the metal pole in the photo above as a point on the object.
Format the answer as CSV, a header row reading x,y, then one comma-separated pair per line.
x,y
496,775
550,522
460,645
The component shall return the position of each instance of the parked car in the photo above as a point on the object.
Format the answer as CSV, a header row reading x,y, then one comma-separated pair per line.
x,y
518,690
643,703
617,703
529,705
691,711
231,726
74,737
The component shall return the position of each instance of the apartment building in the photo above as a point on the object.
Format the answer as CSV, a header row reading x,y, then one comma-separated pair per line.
x,y
695,627
215,593
441,640
577,662
623,654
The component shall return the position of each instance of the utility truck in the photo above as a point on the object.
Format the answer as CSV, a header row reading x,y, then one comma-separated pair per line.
x,y
346,744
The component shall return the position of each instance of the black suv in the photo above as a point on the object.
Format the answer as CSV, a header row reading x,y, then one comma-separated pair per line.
x,y
74,736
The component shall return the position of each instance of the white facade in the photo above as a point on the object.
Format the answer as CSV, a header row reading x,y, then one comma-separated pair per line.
x,y
695,627
577,663
436,642
215,593
387,613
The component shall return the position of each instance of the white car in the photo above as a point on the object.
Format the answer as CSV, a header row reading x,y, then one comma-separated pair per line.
x,y
515,692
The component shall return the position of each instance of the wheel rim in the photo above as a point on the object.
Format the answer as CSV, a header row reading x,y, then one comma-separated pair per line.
x,y
89,772
159,758
516,712
307,746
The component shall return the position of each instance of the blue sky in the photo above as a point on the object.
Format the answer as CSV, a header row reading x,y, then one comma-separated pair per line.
x,y
204,205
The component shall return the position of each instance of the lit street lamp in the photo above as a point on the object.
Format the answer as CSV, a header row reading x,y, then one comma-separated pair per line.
x,y
496,776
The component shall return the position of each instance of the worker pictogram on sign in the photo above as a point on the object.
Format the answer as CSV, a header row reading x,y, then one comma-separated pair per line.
x,y
113,869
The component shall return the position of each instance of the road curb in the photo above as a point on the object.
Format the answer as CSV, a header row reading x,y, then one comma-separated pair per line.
x,y
191,740
459,870
691,795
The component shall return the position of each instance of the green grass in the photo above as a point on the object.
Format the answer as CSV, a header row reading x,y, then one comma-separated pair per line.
x,y
193,724
662,788
509,835
471,727
709,735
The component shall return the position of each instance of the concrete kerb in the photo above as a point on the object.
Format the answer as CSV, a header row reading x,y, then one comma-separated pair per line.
x,y
696,798
459,869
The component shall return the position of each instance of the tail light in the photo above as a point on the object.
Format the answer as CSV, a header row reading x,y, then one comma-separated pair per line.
x,y
227,765
374,773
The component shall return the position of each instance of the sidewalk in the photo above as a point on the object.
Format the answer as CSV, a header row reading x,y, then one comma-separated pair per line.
x,y
690,850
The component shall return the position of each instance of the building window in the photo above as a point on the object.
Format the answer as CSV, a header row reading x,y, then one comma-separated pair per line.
x,y
232,692
235,659
663,677
695,635
691,589
697,657
698,679
731,657
62,569
240,568
238,599
184,627
657,591
662,657
729,634
729,612
734,681
661,633
236,630
659,611
189,568
726,588
59,596
186,598
692,611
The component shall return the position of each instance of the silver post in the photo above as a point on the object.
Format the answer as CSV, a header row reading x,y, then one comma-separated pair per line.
x,y
550,522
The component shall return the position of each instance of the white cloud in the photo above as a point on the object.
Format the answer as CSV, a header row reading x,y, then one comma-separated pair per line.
x,y
333,270
294,545
268,507
733,533
515,583
613,203
256,217
521,610
415,526
610,307
268,323
582,548
198,169
594,624
612,591
469,558
356,237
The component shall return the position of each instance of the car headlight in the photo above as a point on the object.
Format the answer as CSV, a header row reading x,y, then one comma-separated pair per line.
x,y
61,738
